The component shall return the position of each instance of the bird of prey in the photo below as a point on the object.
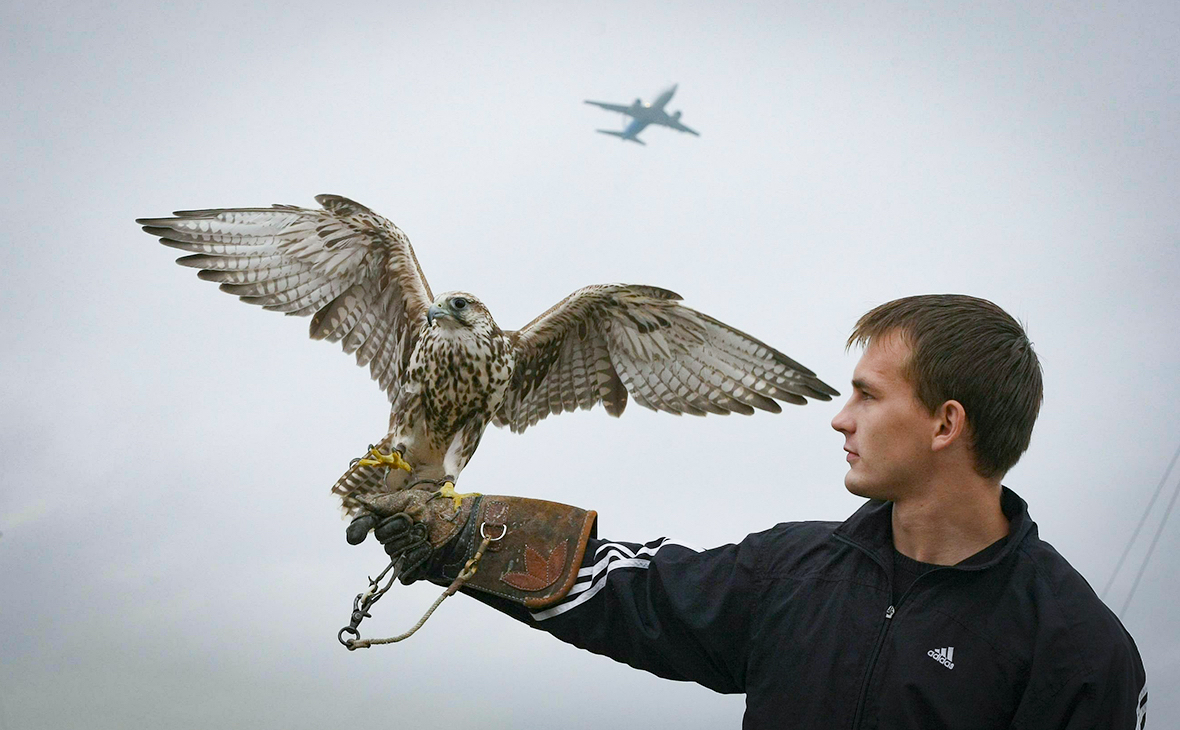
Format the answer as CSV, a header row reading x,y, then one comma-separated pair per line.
x,y
445,365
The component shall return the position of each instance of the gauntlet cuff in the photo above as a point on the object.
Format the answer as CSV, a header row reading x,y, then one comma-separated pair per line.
x,y
534,552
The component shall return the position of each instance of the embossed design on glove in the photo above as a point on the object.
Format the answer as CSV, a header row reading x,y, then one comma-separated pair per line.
x,y
539,571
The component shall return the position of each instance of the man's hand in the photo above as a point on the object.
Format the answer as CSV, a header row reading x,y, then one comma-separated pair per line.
x,y
525,550
412,524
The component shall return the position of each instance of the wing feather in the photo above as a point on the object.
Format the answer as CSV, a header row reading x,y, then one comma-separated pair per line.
x,y
644,386
666,380
585,380
694,385
250,267
720,390
719,386
604,342
361,337
349,267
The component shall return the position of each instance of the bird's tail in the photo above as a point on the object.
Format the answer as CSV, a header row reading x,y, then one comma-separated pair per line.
x,y
364,480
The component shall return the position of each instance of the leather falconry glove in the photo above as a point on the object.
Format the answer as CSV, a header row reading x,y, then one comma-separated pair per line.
x,y
533,547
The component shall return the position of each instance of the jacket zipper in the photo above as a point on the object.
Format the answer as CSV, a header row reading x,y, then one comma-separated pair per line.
x,y
864,686
889,612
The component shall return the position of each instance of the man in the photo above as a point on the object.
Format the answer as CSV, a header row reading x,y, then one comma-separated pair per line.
x,y
935,605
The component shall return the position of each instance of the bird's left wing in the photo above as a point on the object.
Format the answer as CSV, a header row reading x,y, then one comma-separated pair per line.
x,y
351,268
604,341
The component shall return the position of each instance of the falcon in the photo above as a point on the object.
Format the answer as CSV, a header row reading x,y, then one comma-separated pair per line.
x,y
445,365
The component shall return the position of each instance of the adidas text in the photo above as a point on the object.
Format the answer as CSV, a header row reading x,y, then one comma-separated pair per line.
x,y
943,656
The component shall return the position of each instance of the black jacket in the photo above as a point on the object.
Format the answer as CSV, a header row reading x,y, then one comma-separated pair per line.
x,y
800,619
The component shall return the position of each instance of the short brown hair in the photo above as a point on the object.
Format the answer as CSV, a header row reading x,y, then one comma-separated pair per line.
x,y
969,350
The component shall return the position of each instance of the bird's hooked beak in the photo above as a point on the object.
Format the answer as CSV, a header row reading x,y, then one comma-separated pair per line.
x,y
435,311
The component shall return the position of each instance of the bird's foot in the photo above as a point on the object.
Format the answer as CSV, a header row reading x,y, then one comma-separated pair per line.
x,y
393,459
448,490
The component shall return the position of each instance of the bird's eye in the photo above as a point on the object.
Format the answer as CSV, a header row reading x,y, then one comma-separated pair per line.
x,y
459,303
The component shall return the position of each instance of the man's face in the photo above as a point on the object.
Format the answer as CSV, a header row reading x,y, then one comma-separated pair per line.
x,y
887,430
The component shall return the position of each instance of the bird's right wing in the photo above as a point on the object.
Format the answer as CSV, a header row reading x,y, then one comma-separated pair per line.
x,y
351,268
611,107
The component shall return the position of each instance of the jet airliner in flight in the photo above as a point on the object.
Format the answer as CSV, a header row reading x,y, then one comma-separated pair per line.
x,y
644,114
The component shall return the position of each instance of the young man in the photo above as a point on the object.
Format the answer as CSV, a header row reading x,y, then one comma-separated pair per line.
x,y
935,605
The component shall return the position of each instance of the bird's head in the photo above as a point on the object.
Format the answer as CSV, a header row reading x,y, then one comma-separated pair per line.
x,y
460,310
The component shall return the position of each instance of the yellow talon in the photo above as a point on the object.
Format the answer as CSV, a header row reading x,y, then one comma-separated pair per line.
x,y
392,459
448,490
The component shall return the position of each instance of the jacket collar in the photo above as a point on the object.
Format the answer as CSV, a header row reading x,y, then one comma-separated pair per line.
x,y
870,528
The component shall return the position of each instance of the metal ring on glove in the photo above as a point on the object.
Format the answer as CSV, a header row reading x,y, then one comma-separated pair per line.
x,y
485,535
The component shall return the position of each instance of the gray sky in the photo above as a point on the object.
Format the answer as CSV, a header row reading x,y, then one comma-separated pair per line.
x,y
171,556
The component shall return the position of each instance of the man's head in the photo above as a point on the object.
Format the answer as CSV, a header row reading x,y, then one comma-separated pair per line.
x,y
937,370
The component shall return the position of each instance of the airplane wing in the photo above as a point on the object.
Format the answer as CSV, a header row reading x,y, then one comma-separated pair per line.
x,y
678,126
610,107
623,135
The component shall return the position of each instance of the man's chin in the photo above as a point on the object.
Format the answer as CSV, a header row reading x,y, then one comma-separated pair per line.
x,y
860,489
851,484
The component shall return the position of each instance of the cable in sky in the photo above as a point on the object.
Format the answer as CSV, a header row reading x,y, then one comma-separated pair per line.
x,y
1151,548
1126,551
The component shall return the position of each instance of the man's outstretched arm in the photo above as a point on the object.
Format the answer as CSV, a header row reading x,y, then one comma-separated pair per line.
x,y
661,606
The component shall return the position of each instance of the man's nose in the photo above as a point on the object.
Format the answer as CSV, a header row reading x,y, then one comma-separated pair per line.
x,y
842,422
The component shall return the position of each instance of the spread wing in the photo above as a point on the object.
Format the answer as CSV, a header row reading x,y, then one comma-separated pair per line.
x,y
603,342
352,269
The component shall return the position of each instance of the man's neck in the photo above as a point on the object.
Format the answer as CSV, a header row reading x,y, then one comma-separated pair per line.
x,y
947,526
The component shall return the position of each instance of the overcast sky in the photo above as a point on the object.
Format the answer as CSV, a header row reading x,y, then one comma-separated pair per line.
x,y
171,555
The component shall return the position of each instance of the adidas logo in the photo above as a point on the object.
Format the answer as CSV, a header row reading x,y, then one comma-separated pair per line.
x,y
943,656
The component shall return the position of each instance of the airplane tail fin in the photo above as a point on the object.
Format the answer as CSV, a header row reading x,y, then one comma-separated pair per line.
x,y
622,135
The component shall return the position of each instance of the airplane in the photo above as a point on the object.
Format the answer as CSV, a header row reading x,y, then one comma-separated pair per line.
x,y
644,114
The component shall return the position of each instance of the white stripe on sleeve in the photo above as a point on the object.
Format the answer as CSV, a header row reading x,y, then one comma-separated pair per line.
x,y
592,578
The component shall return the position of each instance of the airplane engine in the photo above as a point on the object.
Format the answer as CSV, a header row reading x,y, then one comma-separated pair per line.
x,y
676,116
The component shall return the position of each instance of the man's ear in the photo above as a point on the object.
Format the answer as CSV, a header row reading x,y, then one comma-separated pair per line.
x,y
950,423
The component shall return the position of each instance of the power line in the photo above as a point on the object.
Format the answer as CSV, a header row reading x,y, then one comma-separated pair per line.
x,y
1127,551
1151,549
